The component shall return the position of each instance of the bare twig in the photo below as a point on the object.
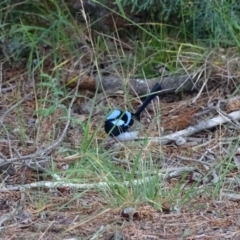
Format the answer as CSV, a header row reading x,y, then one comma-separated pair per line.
x,y
8,139
8,216
210,123
14,106
41,153
49,149
7,89
122,161
232,196
23,158
169,173
193,160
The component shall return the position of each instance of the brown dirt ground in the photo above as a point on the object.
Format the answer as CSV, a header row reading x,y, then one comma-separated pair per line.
x,y
90,216
84,218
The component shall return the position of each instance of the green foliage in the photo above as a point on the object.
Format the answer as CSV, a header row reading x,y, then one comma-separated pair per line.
x,y
140,5
217,20
213,21
31,25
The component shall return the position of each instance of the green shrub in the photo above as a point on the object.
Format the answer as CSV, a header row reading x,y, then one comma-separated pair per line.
x,y
214,20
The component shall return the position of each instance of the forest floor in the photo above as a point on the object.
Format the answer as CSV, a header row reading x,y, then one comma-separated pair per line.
x,y
66,179
65,213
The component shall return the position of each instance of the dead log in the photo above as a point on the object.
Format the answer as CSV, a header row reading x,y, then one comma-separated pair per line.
x,y
139,87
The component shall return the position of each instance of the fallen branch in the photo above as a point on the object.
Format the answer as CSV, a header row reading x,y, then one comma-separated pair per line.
x,y
196,128
23,158
232,196
141,87
137,86
163,174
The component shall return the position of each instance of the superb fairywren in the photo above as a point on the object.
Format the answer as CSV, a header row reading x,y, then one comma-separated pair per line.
x,y
119,121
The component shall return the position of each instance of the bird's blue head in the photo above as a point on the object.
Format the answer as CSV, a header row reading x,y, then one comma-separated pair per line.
x,y
117,122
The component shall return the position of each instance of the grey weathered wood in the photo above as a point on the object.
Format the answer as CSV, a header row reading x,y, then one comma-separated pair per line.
x,y
111,84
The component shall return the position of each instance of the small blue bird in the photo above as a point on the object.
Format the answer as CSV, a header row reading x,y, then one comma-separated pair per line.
x,y
119,121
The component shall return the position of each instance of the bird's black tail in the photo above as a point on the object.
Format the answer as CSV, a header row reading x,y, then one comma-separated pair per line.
x,y
157,87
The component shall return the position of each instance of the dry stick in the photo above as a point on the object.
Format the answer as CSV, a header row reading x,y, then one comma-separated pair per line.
x,y
193,160
3,157
203,144
48,149
23,196
232,196
1,121
223,113
164,174
39,154
44,233
8,216
38,166
23,158
8,140
122,161
197,128
7,89
14,106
